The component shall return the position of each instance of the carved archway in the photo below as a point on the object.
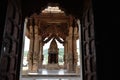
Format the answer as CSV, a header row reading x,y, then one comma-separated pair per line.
x,y
52,24
10,50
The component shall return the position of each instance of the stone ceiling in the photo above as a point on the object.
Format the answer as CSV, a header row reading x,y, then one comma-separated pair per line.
x,y
69,6
53,25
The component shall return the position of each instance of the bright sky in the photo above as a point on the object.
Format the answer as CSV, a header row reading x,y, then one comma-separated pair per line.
x,y
27,42
46,46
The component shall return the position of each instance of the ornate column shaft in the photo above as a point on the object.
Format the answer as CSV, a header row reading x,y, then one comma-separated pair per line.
x,y
41,52
36,47
31,47
75,48
70,53
65,54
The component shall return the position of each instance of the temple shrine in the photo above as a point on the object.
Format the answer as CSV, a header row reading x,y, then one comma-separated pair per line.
x,y
54,25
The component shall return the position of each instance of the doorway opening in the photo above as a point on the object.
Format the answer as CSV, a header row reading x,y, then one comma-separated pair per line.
x,y
12,30
60,55
54,44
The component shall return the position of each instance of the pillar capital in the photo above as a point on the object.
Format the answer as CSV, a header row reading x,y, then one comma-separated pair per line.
x,y
75,30
70,30
30,21
71,19
36,31
36,21
31,29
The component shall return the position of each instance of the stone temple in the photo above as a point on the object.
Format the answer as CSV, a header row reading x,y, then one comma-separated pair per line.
x,y
52,24
60,21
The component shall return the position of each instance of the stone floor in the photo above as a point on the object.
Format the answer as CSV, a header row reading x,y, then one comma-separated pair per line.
x,y
51,75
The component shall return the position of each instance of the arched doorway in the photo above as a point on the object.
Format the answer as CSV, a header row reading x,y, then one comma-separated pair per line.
x,y
10,41
52,23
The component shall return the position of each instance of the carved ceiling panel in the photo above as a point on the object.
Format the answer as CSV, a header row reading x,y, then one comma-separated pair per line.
x,y
54,29
55,25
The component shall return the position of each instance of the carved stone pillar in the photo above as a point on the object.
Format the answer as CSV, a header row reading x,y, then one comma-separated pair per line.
x,y
41,52
42,57
65,55
70,53
75,47
36,47
31,47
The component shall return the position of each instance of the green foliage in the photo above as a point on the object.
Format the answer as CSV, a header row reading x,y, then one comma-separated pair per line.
x,y
61,51
45,52
25,53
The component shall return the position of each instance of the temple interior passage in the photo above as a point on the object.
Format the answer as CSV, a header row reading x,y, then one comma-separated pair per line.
x,y
52,24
